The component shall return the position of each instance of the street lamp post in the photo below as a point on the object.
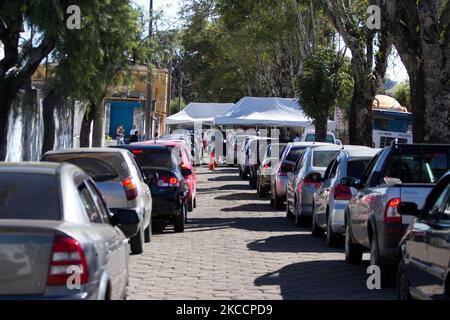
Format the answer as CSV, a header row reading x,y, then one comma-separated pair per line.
x,y
149,102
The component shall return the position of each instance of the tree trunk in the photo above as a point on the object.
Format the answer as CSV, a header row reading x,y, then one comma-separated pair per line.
x,y
360,124
49,104
86,128
98,117
321,126
5,103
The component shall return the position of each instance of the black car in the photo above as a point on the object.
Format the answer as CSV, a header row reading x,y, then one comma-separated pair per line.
x,y
424,268
166,181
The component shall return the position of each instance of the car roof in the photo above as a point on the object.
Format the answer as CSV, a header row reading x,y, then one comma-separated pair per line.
x,y
361,152
170,143
87,150
309,144
50,168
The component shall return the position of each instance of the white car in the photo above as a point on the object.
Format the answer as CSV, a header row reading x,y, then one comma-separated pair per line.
x,y
310,136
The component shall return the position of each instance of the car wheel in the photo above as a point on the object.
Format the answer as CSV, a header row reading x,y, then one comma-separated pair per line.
x,y
375,261
137,242
403,286
191,205
195,202
180,219
316,230
289,213
353,252
148,234
333,239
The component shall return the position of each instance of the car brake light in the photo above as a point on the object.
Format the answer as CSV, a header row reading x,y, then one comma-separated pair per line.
x,y
130,188
310,183
342,192
391,215
67,259
167,182
137,151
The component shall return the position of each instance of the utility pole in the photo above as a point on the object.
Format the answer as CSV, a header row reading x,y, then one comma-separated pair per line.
x,y
149,102
169,91
180,92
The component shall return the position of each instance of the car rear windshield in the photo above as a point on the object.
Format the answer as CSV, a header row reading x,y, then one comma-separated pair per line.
x,y
295,153
103,166
29,197
155,158
312,138
323,158
355,168
421,166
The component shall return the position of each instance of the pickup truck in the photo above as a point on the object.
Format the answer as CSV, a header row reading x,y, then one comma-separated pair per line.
x,y
399,173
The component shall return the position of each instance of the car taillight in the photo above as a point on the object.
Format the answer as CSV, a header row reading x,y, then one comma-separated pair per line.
x,y
167,181
137,151
284,169
310,183
67,259
266,165
391,215
342,192
130,188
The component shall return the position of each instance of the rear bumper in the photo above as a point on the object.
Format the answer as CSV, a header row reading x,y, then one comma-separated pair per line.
x,y
86,292
165,208
264,181
389,237
338,216
280,186
307,201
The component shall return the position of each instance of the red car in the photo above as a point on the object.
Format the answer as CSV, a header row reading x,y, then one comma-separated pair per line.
x,y
185,159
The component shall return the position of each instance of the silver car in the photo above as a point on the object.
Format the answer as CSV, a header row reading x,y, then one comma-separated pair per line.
x,y
278,181
119,178
306,180
58,240
332,198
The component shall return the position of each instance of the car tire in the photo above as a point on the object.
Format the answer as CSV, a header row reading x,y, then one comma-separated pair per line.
x,y
403,286
180,220
278,202
316,230
137,242
195,202
375,261
191,205
289,213
353,251
333,239
148,234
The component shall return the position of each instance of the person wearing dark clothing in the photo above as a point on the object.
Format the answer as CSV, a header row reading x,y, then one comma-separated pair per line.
x,y
134,137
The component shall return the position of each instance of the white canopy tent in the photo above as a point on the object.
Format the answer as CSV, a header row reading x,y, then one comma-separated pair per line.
x,y
199,112
270,112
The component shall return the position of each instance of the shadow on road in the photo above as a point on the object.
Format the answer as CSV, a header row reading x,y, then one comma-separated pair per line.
x,y
275,224
250,207
292,243
225,179
323,280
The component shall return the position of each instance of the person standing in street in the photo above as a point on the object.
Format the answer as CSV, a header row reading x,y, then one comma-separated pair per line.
x,y
132,131
134,137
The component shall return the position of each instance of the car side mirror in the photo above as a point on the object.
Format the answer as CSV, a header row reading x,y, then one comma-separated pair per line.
x,y
315,176
351,182
408,209
186,172
126,220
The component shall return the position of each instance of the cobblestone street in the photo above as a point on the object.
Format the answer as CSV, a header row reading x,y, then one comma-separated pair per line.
x,y
236,247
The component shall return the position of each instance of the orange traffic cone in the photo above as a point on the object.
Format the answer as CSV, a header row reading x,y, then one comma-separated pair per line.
x,y
212,163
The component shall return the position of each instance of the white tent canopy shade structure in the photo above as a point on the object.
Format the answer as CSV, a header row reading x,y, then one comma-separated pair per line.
x,y
199,113
270,112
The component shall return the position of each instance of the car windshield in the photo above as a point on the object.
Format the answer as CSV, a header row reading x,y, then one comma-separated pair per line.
x,y
417,166
322,159
105,166
295,153
26,196
155,158
355,168
311,137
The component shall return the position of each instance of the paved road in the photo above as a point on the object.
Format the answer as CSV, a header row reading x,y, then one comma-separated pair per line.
x,y
237,247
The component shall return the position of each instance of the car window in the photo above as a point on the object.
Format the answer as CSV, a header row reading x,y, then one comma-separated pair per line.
x,y
298,165
368,171
155,158
99,202
417,167
89,204
104,166
29,197
334,169
294,154
355,168
312,138
329,169
441,202
323,158
446,213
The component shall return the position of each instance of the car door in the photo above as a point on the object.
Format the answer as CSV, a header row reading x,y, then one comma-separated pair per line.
x,y
438,246
116,243
321,195
145,189
290,188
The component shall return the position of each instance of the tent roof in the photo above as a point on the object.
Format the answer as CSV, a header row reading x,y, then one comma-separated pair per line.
x,y
200,112
279,112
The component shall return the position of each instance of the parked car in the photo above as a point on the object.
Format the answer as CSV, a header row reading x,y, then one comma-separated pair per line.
x,y
256,149
166,181
119,179
332,198
185,162
424,268
305,179
310,136
399,173
278,181
54,226
265,170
